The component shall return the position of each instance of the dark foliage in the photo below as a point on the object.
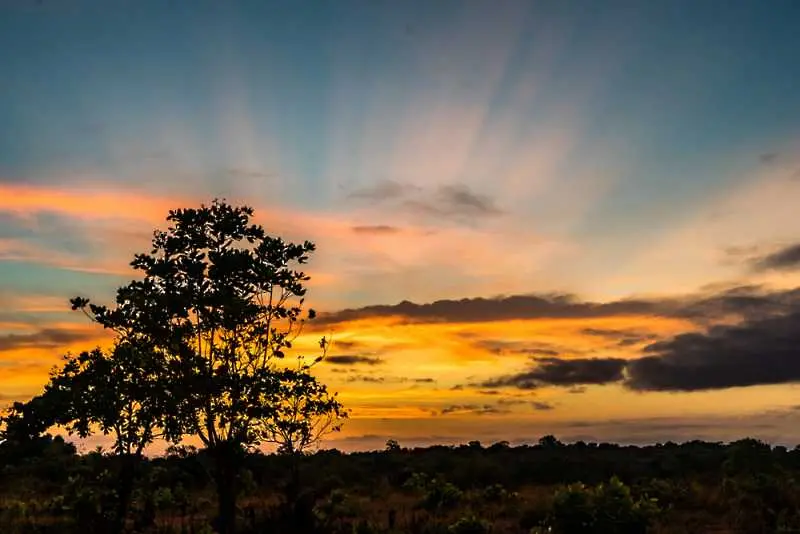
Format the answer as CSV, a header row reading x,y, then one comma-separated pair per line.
x,y
745,486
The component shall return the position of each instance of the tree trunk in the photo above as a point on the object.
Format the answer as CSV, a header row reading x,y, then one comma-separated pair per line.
x,y
226,462
127,476
300,502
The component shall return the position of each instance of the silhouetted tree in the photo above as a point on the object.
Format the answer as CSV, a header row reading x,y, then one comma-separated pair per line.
x,y
221,301
120,393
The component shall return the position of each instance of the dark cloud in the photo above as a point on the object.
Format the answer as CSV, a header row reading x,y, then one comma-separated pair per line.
x,y
511,401
46,338
384,190
378,229
445,201
623,338
495,309
347,345
390,379
745,302
756,351
476,409
541,352
762,351
787,258
499,346
352,359
768,158
542,406
367,378
742,301
459,200
561,372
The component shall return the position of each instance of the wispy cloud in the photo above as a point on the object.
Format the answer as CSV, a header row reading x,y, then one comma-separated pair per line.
x,y
786,258
352,359
445,201
377,229
472,409
46,338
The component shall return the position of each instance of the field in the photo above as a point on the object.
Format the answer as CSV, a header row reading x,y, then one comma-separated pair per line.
x,y
746,486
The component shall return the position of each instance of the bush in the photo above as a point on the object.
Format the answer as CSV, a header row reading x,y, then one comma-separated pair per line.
x,y
469,525
441,496
605,509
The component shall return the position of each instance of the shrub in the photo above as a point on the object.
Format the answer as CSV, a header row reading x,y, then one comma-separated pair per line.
x,y
469,525
608,508
441,496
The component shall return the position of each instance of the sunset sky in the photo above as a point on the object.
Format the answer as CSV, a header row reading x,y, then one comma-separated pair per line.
x,y
572,217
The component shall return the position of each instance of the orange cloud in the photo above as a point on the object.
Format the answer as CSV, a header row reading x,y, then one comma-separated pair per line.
x,y
86,202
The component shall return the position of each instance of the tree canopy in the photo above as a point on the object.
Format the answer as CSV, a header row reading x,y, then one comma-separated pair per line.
x,y
202,339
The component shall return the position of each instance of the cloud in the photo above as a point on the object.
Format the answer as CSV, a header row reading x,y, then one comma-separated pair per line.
x,y
623,338
511,401
352,359
756,352
768,158
384,190
460,198
474,409
85,203
787,258
46,338
494,309
379,229
561,372
500,346
390,379
746,301
347,344
445,201
542,406
455,201
367,379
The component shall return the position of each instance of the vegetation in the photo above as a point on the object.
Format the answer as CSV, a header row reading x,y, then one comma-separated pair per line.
x,y
745,486
201,346
200,341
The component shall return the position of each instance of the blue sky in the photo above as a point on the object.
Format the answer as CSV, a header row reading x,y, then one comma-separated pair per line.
x,y
433,150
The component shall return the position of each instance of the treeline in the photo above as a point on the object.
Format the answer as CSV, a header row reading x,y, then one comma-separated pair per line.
x,y
745,486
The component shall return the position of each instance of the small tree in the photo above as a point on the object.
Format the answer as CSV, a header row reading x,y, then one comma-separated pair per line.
x,y
120,393
22,430
222,302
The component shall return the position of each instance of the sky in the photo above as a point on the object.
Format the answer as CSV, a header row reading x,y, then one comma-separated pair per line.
x,y
573,218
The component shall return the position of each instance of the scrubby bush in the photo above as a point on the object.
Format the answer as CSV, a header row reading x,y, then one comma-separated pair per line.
x,y
469,525
608,508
